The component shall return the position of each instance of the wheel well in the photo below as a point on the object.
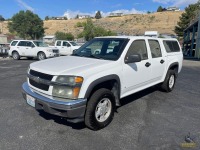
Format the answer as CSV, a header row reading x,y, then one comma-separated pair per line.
x,y
111,85
174,67
40,52
14,51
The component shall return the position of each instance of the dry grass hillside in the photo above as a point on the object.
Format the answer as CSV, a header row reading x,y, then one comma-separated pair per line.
x,y
163,22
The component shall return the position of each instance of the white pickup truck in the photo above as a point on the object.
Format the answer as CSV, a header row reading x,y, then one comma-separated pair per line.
x,y
66,47
31,49
88,87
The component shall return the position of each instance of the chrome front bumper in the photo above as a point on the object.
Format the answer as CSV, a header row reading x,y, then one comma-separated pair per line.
x,y
73,110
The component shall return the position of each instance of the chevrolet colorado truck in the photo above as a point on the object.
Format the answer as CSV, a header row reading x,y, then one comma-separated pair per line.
x,y
31,49
88,86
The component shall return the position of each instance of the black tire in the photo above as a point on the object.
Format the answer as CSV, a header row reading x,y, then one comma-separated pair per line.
x,y
95,100
15,56
41,56
167,85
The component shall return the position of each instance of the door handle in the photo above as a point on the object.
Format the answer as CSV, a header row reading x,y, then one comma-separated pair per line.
x,y
162,61
147,64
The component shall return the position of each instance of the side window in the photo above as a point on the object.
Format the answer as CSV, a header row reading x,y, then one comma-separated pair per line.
x,y
22,43
155,48
29,44
66,44
58,43
138,47
171,46
14,43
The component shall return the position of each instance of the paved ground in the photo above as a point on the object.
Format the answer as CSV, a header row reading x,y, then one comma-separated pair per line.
x,y
148,120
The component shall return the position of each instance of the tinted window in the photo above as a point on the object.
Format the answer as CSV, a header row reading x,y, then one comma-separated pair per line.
x,y
22,43
25,43
171,46
138,47
58,43
66,44
14,43
155,48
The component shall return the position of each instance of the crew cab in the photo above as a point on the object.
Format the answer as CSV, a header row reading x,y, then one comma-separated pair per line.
x,y
66,47
88,86
31,49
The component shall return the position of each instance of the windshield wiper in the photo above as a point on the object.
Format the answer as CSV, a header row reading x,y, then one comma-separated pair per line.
x,y
95,56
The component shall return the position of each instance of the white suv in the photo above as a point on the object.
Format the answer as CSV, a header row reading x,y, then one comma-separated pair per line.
x,y
31,49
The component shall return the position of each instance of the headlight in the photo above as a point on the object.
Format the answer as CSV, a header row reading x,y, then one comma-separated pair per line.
x,y
71,88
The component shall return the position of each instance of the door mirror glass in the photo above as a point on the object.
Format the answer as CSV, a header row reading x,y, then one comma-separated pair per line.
x,y
132,59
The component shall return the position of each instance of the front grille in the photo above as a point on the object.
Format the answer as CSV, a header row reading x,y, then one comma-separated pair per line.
x,y
55,51
41,75
38,84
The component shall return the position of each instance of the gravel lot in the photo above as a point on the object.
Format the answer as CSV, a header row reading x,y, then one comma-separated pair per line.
x,y
148,120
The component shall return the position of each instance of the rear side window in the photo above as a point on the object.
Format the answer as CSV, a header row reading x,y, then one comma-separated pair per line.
x,y
58,43
22,43
138,47
155,48
171,46
14,43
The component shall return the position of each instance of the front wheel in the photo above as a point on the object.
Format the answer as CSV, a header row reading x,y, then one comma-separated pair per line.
x,y
170,80
100,109
15,56
41,56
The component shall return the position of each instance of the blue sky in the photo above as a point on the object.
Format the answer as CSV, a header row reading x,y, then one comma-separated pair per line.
x,y
73,7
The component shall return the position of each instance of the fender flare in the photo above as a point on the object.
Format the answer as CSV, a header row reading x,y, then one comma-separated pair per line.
x,y
101,80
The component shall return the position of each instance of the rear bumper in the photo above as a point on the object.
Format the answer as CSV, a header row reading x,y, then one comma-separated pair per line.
x,y
73,110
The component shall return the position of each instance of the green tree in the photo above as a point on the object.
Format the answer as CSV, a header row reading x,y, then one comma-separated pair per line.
x,y
90,31
2,18
160,9
26,25
77,16
65,18
190,13
98,15
64,36
47,18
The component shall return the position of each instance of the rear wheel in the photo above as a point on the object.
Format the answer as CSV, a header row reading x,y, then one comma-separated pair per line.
x,y
15,56
170,80
41,56
100,109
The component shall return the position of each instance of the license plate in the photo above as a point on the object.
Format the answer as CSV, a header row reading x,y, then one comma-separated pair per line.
x,y
30,100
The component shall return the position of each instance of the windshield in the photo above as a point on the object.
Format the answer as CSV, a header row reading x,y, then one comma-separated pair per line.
x,y
74,44
40,44
102,48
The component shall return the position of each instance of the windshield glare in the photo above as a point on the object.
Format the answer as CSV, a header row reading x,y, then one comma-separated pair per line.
x,y
74,44
103,48
40,44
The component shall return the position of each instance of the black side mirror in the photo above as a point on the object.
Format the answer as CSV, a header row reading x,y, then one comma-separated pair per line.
x,y
32,46
132,59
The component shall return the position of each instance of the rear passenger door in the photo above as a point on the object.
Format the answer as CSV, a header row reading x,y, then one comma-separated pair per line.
x,y
158,61
136,75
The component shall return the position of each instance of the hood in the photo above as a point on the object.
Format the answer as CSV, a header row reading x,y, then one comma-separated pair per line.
x,y
67,65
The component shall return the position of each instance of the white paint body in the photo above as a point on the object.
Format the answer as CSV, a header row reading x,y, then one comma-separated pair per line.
x,y
133,77
28,51
65,47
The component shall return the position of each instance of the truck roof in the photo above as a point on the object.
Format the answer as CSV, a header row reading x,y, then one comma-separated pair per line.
x,y
137,37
